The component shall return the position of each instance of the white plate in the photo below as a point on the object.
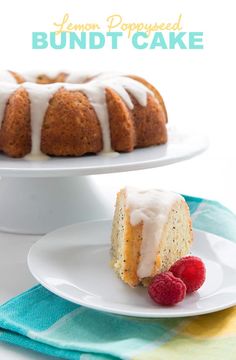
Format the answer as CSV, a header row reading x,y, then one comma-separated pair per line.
x,y
73,262
181,146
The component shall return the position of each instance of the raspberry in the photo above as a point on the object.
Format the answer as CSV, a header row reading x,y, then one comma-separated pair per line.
x,y
166,289
191,270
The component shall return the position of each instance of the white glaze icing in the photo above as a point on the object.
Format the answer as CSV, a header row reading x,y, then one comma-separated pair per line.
x,y
31,76
39,101
79,78
5,75
111,154
94,89
151,208
108,75
72,77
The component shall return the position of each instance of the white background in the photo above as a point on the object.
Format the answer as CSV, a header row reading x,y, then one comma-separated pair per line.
x,y
198,87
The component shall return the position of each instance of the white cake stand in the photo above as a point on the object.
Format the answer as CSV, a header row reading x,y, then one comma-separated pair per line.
x,y
40,196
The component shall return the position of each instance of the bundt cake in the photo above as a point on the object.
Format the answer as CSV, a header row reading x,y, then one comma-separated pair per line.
x,y
151,230
72,115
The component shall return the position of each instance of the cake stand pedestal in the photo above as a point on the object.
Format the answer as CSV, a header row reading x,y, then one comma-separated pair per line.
x,y
38,205
39,196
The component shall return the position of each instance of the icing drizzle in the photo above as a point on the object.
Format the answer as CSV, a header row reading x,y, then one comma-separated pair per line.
x,y
150,207
93,86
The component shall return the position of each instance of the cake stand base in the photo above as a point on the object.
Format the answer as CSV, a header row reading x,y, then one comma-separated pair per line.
x,y
40,205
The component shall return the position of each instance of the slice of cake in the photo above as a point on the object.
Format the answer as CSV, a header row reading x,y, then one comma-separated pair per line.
x,y
151,230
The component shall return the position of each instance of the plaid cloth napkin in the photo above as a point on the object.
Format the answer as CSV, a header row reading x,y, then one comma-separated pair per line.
x,y
41,321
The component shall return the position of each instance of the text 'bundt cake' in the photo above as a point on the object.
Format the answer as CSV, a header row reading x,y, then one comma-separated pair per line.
x,y
72,115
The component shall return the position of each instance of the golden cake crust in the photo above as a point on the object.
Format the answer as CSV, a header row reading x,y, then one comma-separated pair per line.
x,y
15,139
71,126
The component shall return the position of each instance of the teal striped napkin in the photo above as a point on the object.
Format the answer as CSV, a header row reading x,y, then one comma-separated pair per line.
x,y
41,321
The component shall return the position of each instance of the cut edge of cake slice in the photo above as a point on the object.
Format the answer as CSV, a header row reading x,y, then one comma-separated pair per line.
x,y
150,231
